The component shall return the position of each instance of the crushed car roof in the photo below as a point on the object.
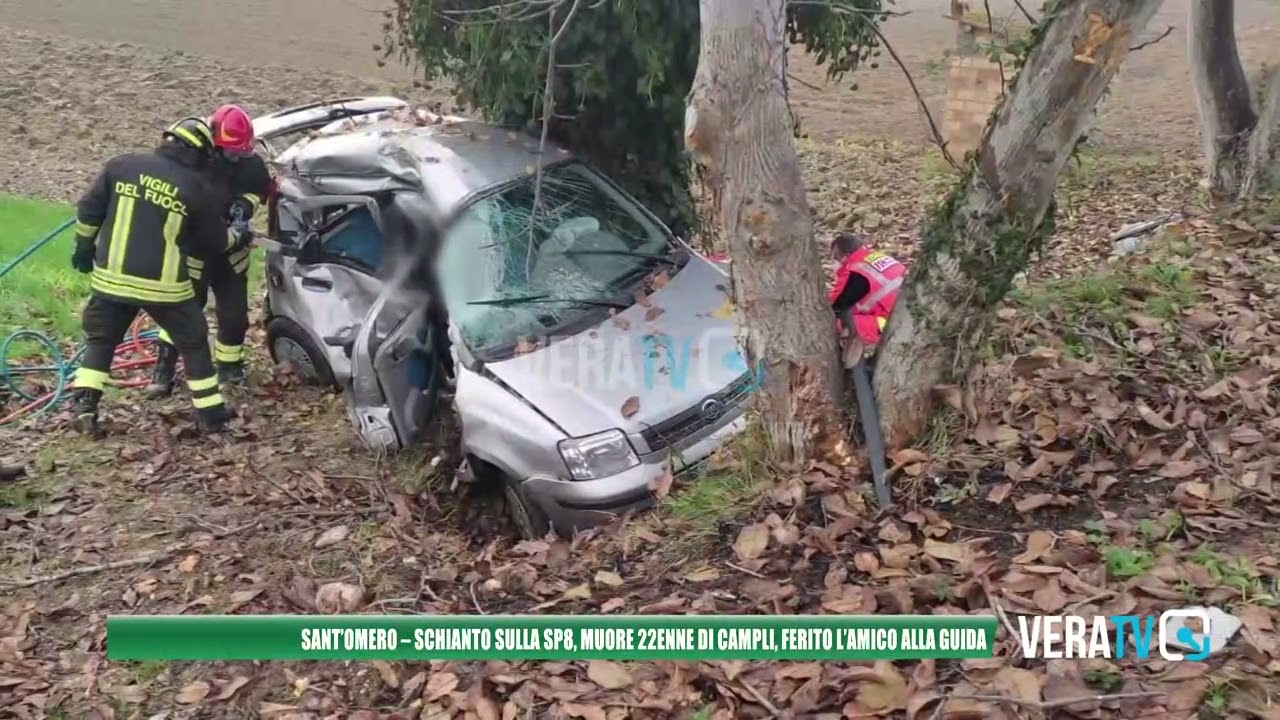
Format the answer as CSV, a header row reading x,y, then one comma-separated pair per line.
x,y
450,158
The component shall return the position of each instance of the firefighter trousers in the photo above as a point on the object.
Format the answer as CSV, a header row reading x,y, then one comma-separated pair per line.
x,y
106,321
230,286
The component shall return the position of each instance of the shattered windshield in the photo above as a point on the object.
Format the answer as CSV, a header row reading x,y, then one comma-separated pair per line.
x,y
509,273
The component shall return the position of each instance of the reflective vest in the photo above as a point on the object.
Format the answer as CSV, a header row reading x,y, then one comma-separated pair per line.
x,y
884,275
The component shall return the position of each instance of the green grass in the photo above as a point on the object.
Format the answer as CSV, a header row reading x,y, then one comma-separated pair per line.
x,y
42,293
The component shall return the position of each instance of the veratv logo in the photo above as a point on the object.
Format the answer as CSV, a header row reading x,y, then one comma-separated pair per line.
x,y
1077,636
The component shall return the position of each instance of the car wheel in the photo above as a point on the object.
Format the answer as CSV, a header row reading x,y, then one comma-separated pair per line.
x,y
287,342
529,519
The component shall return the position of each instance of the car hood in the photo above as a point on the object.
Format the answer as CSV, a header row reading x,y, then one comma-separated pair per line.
x,y
641,366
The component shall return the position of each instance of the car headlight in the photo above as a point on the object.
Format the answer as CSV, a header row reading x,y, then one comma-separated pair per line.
x,y
600,455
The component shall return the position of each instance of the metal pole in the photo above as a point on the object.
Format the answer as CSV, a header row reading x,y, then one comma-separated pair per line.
x,y
869,413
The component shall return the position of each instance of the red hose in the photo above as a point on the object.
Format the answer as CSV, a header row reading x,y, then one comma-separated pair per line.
x,y
132,354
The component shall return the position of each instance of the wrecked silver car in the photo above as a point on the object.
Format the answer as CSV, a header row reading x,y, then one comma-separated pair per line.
x,y
419,260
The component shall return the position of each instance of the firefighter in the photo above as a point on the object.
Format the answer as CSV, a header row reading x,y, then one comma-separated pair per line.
x,y
240,179
867,282
137,224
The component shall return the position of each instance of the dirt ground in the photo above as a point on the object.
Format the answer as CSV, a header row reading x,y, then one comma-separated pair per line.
x,y
1119,427
84,78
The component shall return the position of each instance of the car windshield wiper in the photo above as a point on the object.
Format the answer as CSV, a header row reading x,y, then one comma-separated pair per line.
x,y
628,253
531,299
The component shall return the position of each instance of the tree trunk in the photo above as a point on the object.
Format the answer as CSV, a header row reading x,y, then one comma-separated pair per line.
x,y
738,129
1227,118
985,232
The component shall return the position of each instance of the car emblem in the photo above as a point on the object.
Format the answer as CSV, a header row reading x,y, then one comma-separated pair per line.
x,y
711,409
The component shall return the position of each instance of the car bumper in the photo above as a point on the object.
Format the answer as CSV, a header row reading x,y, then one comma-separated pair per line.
x,y
574,505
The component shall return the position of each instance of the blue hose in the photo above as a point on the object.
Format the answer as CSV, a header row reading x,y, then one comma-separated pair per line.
x,y
37,245
63,367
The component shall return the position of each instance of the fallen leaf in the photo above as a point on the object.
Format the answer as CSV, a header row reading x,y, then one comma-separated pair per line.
x,y
608,675
194,693
612,579
386,672
999,493
1018,683
584,711
955,552
439,685
189,563
631,406
232,686
1039,542
612,604
332,536
703,575
338,598
1179,468
578,592
1033,502
886,692
132,694
1050,597
752,541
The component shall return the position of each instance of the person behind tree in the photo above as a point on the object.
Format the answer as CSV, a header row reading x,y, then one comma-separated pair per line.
x,y
867,282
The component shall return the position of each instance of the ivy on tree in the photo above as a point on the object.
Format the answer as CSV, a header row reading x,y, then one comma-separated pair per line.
x,y
623,71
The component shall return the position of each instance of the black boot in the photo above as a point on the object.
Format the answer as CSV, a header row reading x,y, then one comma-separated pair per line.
x,y
214,419
166,367
231,373
87,412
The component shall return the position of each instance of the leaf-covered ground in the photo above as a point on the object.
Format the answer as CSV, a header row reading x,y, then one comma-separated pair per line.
x,y
1113,454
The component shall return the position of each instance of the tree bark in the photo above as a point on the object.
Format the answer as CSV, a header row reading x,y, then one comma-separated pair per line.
x,y
1227,117
738,129
986,230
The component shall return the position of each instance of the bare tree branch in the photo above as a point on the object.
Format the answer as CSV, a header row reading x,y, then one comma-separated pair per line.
x,y
1149,43
548,106
1030,18
933,126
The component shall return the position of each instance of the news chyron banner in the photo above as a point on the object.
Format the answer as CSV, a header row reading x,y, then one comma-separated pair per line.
x,y
549,637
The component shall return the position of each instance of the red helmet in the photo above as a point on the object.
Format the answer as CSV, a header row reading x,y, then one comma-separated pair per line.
x,y
232,130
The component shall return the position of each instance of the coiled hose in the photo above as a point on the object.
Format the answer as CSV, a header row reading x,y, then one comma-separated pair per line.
x,y
134,353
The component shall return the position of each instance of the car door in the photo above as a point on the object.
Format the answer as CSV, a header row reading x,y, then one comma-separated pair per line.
x,y
395,374
324,273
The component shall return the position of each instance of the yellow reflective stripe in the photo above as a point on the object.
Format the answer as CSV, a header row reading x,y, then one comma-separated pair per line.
x,y
254,200
141,282
163,337
203,383
84,228
237,256
227,353
186,135
91,379
105,284
120,233
207,402
883,322
195,274
239,268
195,263
172,255
231,238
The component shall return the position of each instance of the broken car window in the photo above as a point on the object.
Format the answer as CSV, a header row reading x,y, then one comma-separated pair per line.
x,y
585,249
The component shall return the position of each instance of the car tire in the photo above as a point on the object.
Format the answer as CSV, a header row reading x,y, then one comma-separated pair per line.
x,y
530,521
285,337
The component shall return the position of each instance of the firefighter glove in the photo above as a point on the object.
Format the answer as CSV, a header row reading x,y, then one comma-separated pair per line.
x,y
82,259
